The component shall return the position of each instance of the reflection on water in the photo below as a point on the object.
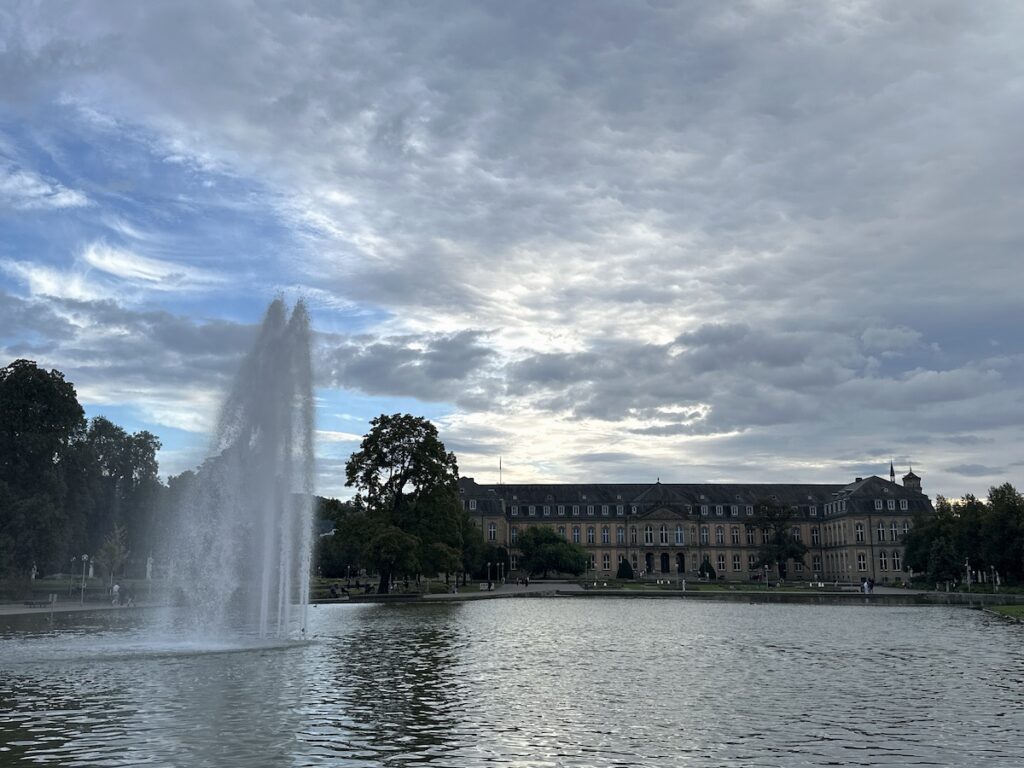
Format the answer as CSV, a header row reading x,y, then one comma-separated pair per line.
x,y
557,682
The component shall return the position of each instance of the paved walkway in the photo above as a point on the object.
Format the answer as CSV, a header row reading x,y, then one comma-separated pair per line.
x,y
67,606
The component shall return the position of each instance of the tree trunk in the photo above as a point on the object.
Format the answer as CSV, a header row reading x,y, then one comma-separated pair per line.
x,y
385,582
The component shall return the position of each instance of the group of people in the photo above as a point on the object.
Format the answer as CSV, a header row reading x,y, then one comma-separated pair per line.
x,y
121,596
867,586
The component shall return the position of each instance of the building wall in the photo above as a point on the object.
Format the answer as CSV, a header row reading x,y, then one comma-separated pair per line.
x,y
669,536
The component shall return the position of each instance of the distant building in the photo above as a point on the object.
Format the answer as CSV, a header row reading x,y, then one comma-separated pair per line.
x,y
852,531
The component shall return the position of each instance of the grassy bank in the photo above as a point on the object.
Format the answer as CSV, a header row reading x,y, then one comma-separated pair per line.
x,y
1009,611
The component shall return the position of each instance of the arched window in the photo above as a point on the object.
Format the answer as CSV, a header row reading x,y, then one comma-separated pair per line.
x,y
796,533
881,531
663,534
620,535
815,536
606,537
561,531
719,535
590,534
515,534
734,535
859,533
679,534
750,537
703,534
575,534
648,534
894,531
896,564
883,561
492,532
632,534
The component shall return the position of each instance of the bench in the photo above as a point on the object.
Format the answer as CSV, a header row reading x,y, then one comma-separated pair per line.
x,y
37,603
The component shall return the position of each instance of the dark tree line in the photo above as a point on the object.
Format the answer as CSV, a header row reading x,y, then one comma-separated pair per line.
x,y
69,486
986,536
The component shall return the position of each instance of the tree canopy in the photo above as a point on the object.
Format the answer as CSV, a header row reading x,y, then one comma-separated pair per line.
x,y
407,487
778,544
542,550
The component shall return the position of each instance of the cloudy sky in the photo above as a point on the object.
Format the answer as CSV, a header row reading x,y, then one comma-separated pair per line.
x,y
747,241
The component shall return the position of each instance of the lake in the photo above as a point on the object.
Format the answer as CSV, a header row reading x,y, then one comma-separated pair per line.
x,y
525,682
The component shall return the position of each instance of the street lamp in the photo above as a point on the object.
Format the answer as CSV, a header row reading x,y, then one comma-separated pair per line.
x,y
488,575
85,562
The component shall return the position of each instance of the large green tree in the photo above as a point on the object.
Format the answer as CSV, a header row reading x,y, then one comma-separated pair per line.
x,y
775,522
542,550
407,485
40,421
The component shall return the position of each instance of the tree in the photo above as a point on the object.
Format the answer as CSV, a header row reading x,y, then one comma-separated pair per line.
x,y
407,485
779,545
114,552
625,569
707,570
543,550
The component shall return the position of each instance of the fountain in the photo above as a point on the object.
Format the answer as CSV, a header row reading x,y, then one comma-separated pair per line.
x,y
241,557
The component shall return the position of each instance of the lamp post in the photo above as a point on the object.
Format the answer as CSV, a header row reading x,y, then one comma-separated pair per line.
x,y
488,574
85,562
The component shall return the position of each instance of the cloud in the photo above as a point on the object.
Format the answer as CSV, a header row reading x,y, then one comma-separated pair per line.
x,y
27,191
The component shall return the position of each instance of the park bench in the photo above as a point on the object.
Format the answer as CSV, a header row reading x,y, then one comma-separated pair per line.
x,y
37,603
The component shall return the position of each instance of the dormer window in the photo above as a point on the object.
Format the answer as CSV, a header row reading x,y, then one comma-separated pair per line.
x,y
878,504
903,504
515,510
472,503
703,508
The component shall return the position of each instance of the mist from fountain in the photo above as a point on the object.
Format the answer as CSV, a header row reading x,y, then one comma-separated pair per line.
x,y
241,555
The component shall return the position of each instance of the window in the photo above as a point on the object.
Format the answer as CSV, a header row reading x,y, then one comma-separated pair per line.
x,y
766,536
632,534
606,535
606,562
862,562
547,510
633,509
751,561
515,534
721,563
815,537
736,562
604,510
896,564
620,535
891,504
663,534
718,509
679,534
881,531
575,510
816,561
492,532
704,509
750,537
561,531
813,510
513,562
858,531
796,533
575,534
903,504
734,510
515,510
878,503
750,510
883,561
798,566
590,510
561,510
472,503
719,535
619,509
906,527
590,534
703,534
531,510
648,535
894,531
734,535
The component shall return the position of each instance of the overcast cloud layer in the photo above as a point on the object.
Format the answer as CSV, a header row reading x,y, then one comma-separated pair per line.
x,y
754,241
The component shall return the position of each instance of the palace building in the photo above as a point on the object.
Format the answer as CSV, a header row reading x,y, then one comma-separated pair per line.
x,y
854,531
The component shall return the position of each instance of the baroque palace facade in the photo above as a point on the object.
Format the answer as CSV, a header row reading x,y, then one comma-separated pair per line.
x,y
666,530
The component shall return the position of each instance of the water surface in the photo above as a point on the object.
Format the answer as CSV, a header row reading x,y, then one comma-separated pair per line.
x,y
528,682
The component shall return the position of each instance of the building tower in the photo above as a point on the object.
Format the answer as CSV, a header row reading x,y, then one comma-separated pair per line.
x,y
911,481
